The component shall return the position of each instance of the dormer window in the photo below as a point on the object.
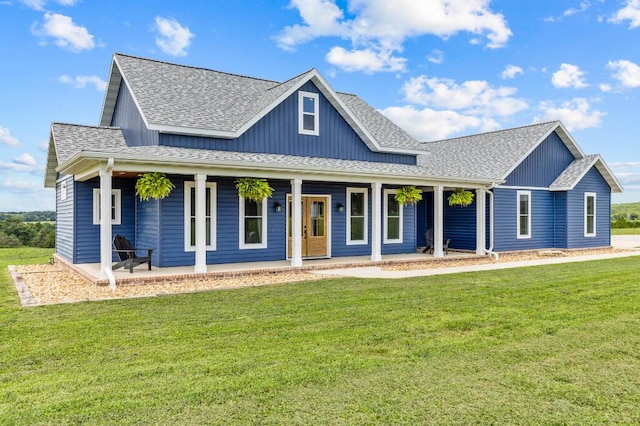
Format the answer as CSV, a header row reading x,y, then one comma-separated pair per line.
x,y
308,113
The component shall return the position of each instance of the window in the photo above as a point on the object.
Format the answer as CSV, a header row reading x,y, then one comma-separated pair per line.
x,y
357,208
308,113
63,190
116,200
524,214
589,214
190,207
253,224
392,218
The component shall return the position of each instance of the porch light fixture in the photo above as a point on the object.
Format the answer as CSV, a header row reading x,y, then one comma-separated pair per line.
x,y
277,207
340,207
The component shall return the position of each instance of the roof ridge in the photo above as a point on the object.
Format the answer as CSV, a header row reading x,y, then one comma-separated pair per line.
x,y
496,131
291,79
195,68
86,125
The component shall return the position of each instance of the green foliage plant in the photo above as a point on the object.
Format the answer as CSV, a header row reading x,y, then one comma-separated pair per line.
x,y
254,189
461,197
408,195
153,185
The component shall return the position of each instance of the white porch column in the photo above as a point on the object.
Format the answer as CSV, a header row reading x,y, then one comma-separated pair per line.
x,y
201,224
105,221
296,217
481,217
376,222
438,220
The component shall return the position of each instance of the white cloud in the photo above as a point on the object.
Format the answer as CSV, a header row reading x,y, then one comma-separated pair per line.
x,y
366,60
624,164
631,13
80,82
436,56
475,96
16,167
568,76
626,72
25,159
174,39
572,11
66,33
379,27
575,114
19,185
511,71
604,87
6,138
428,125
40,4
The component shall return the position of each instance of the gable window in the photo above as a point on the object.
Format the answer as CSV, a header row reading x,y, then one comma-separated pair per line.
x,y
253,224
357,208
524,214
116,206
589,214
190,207
308,114
392,218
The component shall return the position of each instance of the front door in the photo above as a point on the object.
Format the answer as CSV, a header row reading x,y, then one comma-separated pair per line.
x,y
314,226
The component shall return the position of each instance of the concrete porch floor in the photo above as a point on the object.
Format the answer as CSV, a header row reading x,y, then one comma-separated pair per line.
x,y
141,274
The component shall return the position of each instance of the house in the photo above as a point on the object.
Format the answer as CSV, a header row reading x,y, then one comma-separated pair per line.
x,y
334,162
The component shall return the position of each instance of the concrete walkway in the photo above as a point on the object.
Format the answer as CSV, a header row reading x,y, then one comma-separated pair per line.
x,y
627,242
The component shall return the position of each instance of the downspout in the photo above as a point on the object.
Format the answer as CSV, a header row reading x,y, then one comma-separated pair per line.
x,y
490,251
108,271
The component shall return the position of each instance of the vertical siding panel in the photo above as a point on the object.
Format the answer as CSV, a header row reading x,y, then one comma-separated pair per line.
x,y
64,220
561,220
460,225
591,182
128,118
148,227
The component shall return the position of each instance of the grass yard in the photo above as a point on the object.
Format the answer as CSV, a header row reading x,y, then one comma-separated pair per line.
x,y
625,231
541,345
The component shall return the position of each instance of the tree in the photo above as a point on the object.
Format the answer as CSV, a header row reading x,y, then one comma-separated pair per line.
x,y
8,240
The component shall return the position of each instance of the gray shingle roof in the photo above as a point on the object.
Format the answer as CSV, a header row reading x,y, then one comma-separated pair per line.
x,y
197,98
491,155
72,138
572,175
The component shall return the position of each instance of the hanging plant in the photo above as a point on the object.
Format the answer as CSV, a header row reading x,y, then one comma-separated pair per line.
x,y
153,185
461,197
408,195
253,189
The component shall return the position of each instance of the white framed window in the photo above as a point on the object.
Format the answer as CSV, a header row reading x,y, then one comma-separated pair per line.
x,y
116,206
253,224
63,190
308,113
190,208
589,214
392,218
357,216
524,214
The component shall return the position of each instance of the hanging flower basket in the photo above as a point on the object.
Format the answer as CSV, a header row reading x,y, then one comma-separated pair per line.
x,y
153,185
254,189
408,195
461,197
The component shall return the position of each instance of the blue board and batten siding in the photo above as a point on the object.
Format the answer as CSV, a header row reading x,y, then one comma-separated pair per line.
x,y
127,116
591,182
64,219
277,133
543,165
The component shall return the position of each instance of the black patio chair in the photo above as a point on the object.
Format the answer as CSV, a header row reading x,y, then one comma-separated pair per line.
x,y
127,254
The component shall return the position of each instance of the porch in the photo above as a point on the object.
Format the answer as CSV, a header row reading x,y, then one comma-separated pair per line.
x,y
92,271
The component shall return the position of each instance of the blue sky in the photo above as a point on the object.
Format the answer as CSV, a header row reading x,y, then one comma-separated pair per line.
x,y
438,68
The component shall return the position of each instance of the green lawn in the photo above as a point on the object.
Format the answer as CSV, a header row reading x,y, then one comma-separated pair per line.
x,y
542,345
625,231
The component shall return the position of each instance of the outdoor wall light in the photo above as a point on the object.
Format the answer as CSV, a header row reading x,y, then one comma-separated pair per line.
x,y
340,207
277,207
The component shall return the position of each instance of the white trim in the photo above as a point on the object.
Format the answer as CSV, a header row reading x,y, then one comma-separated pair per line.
x,y
595,209
438,221
518,213
63,190
327,213
118,206
301,113
365,234
524,188
187,216
385,234
242,245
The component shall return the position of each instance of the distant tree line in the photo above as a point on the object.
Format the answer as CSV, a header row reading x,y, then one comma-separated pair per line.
x,y
43,216
15,233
